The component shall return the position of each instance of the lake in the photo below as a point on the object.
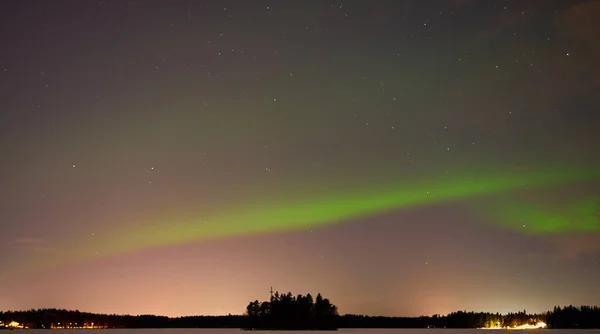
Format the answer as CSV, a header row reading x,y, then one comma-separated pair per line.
x,y
347,331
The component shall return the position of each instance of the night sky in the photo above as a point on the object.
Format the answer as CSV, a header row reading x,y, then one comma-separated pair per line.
x,y
401,157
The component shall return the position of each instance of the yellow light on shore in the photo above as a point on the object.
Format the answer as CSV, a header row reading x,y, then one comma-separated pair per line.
x,y
538,325
14,324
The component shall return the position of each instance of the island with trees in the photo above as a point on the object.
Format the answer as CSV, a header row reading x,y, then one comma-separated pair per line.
x,y
302,312
290,312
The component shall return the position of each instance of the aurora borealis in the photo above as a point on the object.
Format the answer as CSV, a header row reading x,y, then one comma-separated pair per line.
x,y
326,207
182,157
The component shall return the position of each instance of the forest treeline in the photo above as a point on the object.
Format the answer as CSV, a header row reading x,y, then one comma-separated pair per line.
x,y
294,312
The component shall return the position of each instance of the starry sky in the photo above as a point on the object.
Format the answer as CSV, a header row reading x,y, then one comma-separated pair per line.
x,y
400,157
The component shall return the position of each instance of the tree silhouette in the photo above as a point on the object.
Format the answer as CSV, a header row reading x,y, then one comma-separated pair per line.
x,y
284,311
301,312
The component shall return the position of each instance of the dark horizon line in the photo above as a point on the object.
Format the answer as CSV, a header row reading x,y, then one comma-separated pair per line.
x,y
245,315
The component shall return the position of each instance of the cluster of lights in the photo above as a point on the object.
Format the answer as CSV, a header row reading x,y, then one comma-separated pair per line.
x,y
16,325
75,326
538,325
12,325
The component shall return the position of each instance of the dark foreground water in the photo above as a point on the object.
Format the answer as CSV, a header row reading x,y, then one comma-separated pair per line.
x,y
341,331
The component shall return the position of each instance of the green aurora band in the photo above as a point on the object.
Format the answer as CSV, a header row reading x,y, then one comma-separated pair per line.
x,y
581,215
332,205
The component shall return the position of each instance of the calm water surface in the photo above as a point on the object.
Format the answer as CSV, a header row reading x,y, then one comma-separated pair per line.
x,y
343,331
